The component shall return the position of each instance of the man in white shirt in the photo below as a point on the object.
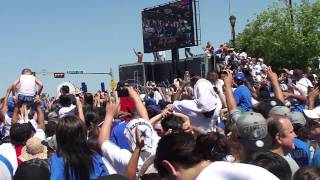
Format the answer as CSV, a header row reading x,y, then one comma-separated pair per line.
x,y
119,158
204,109
303,84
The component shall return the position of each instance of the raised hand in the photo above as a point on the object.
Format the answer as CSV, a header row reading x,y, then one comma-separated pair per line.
x,y
139,140
113,108
273,76
228,79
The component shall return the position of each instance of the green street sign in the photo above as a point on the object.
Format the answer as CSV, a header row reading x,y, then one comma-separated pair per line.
x,y
74,72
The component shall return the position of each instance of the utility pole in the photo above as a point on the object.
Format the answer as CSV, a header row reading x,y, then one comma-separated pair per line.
x,y
289,5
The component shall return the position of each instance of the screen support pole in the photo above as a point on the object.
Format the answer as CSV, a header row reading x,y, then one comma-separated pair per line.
x,y
175,62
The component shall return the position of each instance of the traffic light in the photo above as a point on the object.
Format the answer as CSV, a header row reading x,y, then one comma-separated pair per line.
x,y
58,75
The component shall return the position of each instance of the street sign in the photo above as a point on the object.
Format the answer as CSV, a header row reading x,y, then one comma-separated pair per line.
x,y
74,72
113,84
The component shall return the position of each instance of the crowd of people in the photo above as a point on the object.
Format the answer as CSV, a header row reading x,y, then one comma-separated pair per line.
x,y
243,121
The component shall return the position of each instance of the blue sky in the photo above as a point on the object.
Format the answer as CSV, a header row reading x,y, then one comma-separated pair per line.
x,y
94,36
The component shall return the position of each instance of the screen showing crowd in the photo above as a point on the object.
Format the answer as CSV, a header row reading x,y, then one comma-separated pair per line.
x,y
168,26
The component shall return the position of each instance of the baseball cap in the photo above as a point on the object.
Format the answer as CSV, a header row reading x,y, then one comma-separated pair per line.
x,y
297,118
279,110
252,131
239,76
313,114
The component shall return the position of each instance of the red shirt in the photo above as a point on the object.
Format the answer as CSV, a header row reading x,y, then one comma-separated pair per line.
x,y
127,105
18,153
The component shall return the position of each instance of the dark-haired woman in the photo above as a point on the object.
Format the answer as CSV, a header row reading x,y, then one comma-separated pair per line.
x,y
74,158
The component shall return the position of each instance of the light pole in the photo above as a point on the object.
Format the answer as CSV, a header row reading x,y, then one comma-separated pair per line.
x,y
232,20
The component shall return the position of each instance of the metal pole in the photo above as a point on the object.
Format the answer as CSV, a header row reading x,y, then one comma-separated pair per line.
x,y
233,37
175,62
111,73
290,9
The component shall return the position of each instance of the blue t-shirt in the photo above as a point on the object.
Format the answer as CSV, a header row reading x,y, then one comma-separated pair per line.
x,y
57,168
243,98
301,154
117,136
298,106
316,159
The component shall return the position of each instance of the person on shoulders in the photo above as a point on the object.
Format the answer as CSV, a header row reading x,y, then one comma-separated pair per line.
x,y
25,85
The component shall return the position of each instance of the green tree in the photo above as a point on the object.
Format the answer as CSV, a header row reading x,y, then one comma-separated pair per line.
x,y
283,43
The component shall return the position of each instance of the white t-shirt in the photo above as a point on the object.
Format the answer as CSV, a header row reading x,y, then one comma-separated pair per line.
x,y
7,125
221,170
118,158
7,150
243,55
27,85
197,119
257,69
205,100
303,85
219,84
157,96
4,171
64,111
110,168
292,163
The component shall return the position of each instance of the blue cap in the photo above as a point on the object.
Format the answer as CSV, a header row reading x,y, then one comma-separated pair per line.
x,y
239,76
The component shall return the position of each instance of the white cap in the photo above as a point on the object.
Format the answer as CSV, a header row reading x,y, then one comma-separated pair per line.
x,y
313,114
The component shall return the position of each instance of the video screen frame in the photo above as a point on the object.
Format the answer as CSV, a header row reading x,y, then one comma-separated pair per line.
x,y
169,26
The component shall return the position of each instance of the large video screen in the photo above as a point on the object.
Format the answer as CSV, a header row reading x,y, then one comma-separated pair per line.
x,y
168,26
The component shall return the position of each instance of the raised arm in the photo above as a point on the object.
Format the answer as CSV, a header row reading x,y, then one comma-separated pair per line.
x,y
161,93
135,52
80,109
112,109
231,101
14,85
295,96
40,84
275,84
133,162
180,90
312,98
4,108
141,109
15,116
40,116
